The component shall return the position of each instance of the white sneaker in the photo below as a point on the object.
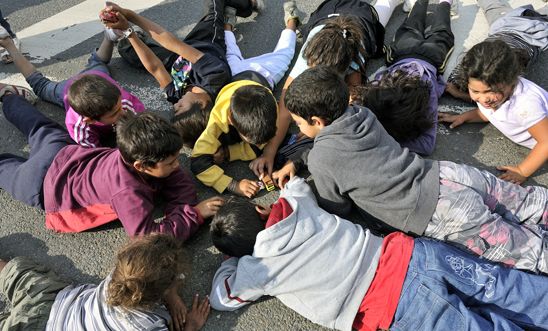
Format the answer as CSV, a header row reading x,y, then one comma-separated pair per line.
x,y
3,33
291,12
114,34
408,5
455,8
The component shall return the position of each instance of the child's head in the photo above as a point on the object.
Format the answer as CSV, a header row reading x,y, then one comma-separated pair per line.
x,y
316,98
491,69
145,269
400,102
191,122
149,143
96,99
337,44
235,227
253,113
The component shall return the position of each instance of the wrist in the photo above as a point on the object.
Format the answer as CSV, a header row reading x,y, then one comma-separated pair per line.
x,y
523,171
128,32
232,186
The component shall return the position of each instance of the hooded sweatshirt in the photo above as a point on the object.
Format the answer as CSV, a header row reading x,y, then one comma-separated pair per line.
x,y
316,263
354,161
87,187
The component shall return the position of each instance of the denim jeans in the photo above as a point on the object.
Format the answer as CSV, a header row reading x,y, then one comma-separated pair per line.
x,y
448,289
52,91
23,178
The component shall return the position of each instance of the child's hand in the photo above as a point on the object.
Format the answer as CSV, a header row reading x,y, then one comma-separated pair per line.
x,y
197,317
209,207
280,176
177,310
114,7
455,120
247,188
121,24
512,174
262,163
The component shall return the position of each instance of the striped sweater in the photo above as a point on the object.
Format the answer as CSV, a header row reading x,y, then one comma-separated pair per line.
x,y
84,307
89,135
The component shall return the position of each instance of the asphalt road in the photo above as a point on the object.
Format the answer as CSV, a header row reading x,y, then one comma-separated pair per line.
x,y
88,257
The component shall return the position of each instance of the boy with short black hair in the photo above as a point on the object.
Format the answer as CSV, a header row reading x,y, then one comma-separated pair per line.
x,y
341,276
92,99
356,164
242,121
83,188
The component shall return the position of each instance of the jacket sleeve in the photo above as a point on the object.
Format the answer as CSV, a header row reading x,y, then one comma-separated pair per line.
x,y
201,161
233,287
83,134
330,197
135,210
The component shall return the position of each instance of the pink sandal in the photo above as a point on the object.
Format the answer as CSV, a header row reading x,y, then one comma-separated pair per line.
x,y
18,90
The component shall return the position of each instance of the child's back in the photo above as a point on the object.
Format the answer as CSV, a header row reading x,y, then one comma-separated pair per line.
x,y
289,261
86,188
362,165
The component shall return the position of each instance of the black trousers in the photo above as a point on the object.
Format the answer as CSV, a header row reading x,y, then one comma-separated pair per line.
x,y
422,36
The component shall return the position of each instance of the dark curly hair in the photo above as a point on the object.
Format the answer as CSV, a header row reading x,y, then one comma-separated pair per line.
x,y
145,268
191,122
400,102
337,44
494,63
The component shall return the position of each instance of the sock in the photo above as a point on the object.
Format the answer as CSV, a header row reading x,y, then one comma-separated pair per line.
x,y
385,8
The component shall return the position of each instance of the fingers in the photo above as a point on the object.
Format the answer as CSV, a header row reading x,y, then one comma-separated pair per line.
x,y
257,167
279,177
205,307
195,302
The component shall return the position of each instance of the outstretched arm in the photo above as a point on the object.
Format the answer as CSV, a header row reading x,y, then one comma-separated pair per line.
x,y
471,116
269,152
536,158
165,38
231,290
149,60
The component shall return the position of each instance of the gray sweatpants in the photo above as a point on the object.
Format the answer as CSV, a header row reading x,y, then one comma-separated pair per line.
x,y
493,218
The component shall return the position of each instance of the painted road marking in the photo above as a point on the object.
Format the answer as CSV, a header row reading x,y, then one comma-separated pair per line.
x,y
68,28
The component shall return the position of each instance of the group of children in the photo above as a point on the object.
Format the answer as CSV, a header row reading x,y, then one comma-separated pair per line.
x,y
360,140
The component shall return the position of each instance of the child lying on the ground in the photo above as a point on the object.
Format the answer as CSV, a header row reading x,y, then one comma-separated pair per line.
x,y
357,165
340,276
266,69
147,275
489,75
404,97
83,188
93,100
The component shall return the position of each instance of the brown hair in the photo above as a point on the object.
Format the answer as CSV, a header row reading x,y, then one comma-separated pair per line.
x,y
337,44
92,96
145,268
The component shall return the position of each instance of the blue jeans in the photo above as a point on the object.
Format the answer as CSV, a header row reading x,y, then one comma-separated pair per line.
x,y
51,91
448,289
23,178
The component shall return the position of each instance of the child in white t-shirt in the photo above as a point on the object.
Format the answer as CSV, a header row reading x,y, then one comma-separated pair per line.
x,y
513,104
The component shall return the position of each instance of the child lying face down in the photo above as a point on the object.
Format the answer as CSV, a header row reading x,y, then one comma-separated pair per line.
x,y
147,275
340,276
